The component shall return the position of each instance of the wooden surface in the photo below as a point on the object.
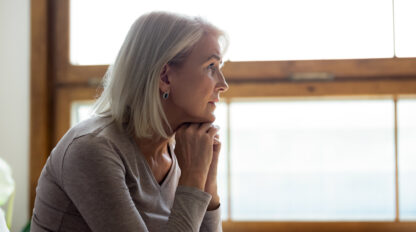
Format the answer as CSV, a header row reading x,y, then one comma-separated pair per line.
x,y
40,101
340,69
314,89
396,161
319,226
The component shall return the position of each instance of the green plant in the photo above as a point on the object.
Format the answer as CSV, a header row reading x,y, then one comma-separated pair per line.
x,y
27,227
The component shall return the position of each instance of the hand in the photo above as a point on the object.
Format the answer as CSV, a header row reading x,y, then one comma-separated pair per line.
x,y
211,183
194,151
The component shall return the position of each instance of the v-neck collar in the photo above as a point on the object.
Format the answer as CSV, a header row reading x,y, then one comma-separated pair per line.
x,y
149,170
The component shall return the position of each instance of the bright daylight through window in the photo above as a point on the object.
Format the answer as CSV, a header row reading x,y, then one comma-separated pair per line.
x,y
276,30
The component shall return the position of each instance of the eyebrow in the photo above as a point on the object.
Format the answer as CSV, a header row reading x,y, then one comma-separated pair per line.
x,y
214,56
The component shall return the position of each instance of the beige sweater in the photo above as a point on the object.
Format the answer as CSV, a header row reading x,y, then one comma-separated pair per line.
x,y
96,179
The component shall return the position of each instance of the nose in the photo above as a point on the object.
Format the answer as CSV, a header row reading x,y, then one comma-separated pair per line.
x,y
222,85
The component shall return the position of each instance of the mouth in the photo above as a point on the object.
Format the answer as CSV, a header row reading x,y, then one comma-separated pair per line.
x,y
212,103
215,100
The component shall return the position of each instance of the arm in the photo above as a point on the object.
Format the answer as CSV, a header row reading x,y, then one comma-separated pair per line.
x,y
93,176
212,220
197,149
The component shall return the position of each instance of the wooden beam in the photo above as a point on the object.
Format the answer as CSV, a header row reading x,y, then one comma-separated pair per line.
x,y
40,123
362,69
319,226
321,89
358,68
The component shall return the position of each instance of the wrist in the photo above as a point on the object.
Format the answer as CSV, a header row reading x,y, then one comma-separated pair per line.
x,y
193,181
214,203
211,188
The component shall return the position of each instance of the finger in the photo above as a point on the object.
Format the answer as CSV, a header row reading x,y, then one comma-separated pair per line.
x,y
205,127
216,149
217,139
215,126
213,130
193,127
183,126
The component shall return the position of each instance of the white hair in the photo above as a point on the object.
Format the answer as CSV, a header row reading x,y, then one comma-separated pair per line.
x,y
131,93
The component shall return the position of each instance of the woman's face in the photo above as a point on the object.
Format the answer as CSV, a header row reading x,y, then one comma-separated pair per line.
x,y
195,84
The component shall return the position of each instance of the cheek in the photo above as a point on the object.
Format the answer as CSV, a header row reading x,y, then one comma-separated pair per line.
x,y
199,87
195,98
199,95
193,92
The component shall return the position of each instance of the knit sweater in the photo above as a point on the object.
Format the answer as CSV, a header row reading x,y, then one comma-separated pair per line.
x,y
97,179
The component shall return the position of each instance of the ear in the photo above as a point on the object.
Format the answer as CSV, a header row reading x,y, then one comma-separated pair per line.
x,y
164,84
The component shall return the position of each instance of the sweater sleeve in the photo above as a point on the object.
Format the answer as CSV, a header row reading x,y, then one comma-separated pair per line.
x,y
212,221
93,176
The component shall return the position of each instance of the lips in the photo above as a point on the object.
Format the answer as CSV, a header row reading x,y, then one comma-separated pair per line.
x,y
215,100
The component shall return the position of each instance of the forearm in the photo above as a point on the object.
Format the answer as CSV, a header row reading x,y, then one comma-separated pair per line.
x,y
189,209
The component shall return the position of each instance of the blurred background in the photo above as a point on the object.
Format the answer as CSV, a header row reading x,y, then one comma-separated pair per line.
x,y
318,127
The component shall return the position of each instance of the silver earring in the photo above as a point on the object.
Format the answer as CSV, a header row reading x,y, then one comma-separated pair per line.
x,y
165,95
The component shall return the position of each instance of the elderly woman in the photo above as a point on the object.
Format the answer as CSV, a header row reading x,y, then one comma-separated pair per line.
x,y
148,160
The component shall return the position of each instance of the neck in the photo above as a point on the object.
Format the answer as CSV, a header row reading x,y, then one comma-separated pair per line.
x,y
156,146
153,147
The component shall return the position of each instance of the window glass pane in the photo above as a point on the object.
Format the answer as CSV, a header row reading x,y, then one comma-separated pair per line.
x,y
80,110
405,24
221,121
258,30
406,110
312,160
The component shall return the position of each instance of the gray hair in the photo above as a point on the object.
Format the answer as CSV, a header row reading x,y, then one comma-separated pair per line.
x,y
131,85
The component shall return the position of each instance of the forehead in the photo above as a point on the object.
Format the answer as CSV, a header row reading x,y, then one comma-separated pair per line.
x,y
205,48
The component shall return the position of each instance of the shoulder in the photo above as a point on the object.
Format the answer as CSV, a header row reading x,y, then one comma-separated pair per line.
x,y
89,158
96,135
92,143
91,149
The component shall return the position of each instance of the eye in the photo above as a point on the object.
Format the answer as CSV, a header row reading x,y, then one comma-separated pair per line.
x,y
212,67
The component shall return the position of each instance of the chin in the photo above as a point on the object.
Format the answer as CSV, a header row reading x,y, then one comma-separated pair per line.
x,y
210,117
202,116
211,120
204,119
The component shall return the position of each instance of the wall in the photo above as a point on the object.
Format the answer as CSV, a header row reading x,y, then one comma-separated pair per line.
x,y
14,99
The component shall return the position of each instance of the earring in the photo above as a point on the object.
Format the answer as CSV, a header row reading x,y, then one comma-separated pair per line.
x,y
165,95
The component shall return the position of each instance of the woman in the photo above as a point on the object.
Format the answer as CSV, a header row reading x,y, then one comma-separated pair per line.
x,y
120,170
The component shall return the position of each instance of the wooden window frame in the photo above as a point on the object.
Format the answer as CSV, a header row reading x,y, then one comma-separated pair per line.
x,y
55,83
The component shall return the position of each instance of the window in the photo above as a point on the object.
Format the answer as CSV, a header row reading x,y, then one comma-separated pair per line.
x,y
276,30
325,160
405,35
366,74
407,157
80,111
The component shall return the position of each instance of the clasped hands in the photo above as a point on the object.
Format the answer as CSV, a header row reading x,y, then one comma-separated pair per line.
x,y
197,150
